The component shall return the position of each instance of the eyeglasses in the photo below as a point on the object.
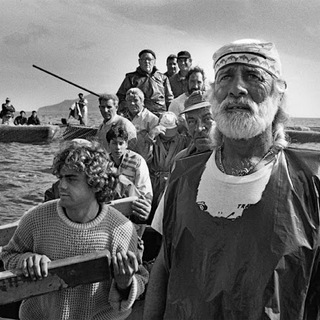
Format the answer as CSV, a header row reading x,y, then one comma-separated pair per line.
x,y
147,60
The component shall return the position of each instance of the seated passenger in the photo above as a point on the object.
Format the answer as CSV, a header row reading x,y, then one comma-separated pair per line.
x,y
134,167
22,119
79,222
33,119
143,119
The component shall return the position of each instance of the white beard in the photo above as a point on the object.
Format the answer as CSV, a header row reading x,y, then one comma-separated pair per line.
x,y
244,124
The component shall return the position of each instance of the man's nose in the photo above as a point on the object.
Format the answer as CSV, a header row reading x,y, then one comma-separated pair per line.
x,y
238,86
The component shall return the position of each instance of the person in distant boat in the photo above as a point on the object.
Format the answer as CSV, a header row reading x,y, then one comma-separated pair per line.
x,y
178,81
22,119
143,120
172,65
33,119
79,110
7,106
108,105
79,222
153,84
7,118
242,221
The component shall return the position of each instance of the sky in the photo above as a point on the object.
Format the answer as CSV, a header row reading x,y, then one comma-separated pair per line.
x,y
94,43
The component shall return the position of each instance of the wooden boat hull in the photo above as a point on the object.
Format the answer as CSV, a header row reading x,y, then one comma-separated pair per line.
x,y
28,134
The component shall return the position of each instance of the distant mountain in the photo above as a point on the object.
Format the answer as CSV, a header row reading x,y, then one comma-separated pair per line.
x,y
63,107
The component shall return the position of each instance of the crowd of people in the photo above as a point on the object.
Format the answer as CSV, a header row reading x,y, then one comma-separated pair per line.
x,y
7,116
236,209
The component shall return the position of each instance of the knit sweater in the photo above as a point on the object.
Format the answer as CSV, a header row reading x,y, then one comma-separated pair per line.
x,y
47,230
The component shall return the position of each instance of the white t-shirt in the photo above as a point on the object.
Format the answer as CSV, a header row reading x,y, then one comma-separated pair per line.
x,y
227,196
224,195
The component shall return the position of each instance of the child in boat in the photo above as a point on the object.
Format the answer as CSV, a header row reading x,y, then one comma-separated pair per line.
x,y
79,222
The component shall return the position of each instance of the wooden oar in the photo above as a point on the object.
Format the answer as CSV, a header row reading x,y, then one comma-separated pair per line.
x,y
72,83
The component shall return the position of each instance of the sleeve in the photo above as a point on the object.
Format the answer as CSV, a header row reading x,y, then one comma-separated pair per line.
x,y
157,220
142,181
121,94
127,239
21,244
168,92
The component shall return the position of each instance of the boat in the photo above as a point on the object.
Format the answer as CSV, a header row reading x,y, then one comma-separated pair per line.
x,y
29,134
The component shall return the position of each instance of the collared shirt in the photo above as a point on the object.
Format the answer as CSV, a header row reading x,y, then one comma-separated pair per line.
x,y
178,84
117,120
144,120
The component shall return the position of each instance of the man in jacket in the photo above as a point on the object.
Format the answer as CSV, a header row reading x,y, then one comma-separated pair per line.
x,y
242,223
150,81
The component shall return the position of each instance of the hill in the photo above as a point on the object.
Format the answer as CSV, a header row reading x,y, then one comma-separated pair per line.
x,y
63,107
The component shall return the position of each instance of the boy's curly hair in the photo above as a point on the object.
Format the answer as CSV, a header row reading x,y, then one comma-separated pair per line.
x,y
92,159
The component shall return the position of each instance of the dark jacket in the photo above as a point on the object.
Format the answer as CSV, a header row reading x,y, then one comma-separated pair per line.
x,y
155,86
263,265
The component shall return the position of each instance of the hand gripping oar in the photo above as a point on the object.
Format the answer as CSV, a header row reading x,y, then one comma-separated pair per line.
x,y
52,74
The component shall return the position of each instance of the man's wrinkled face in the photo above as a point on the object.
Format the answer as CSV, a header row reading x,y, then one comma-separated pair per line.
x,y
201,126
196,82
244,101
147,62
108,109
133,102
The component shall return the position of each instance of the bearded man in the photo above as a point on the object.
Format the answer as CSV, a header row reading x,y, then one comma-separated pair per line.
x,y
241,222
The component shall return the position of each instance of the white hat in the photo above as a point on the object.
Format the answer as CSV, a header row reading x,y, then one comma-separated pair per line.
x,y
169,120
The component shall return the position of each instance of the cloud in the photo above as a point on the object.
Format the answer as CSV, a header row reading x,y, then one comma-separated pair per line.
x,y
33,33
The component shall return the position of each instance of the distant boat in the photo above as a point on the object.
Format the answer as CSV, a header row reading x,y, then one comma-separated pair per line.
x,y
29,134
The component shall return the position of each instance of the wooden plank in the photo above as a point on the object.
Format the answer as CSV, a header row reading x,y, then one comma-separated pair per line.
x,y
123,205
64,273
6,232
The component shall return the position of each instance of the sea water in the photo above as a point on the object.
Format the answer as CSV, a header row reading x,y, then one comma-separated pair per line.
x,y
25,169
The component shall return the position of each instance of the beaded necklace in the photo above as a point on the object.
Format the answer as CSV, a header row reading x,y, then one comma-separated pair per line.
x,y
244,171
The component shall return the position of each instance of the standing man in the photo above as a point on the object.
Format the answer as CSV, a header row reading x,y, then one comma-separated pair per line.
x,y
172,65
153,84
108,105
195,81
241,222
201,127
143,120
7,106
79,222
178,81
79,110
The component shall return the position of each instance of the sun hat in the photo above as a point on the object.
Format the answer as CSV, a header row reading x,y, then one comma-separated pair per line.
x,y
169,120
195,101
250,52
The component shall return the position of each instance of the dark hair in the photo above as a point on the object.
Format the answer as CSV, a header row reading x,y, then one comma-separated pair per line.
x,y
195,70
91,159
147,51
109,96
171,57
117,131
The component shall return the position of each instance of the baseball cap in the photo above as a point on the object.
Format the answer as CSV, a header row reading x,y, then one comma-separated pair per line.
x,y
169,120
195,101
184,54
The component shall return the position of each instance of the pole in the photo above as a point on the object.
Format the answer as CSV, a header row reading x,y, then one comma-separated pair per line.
x,y
54,75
